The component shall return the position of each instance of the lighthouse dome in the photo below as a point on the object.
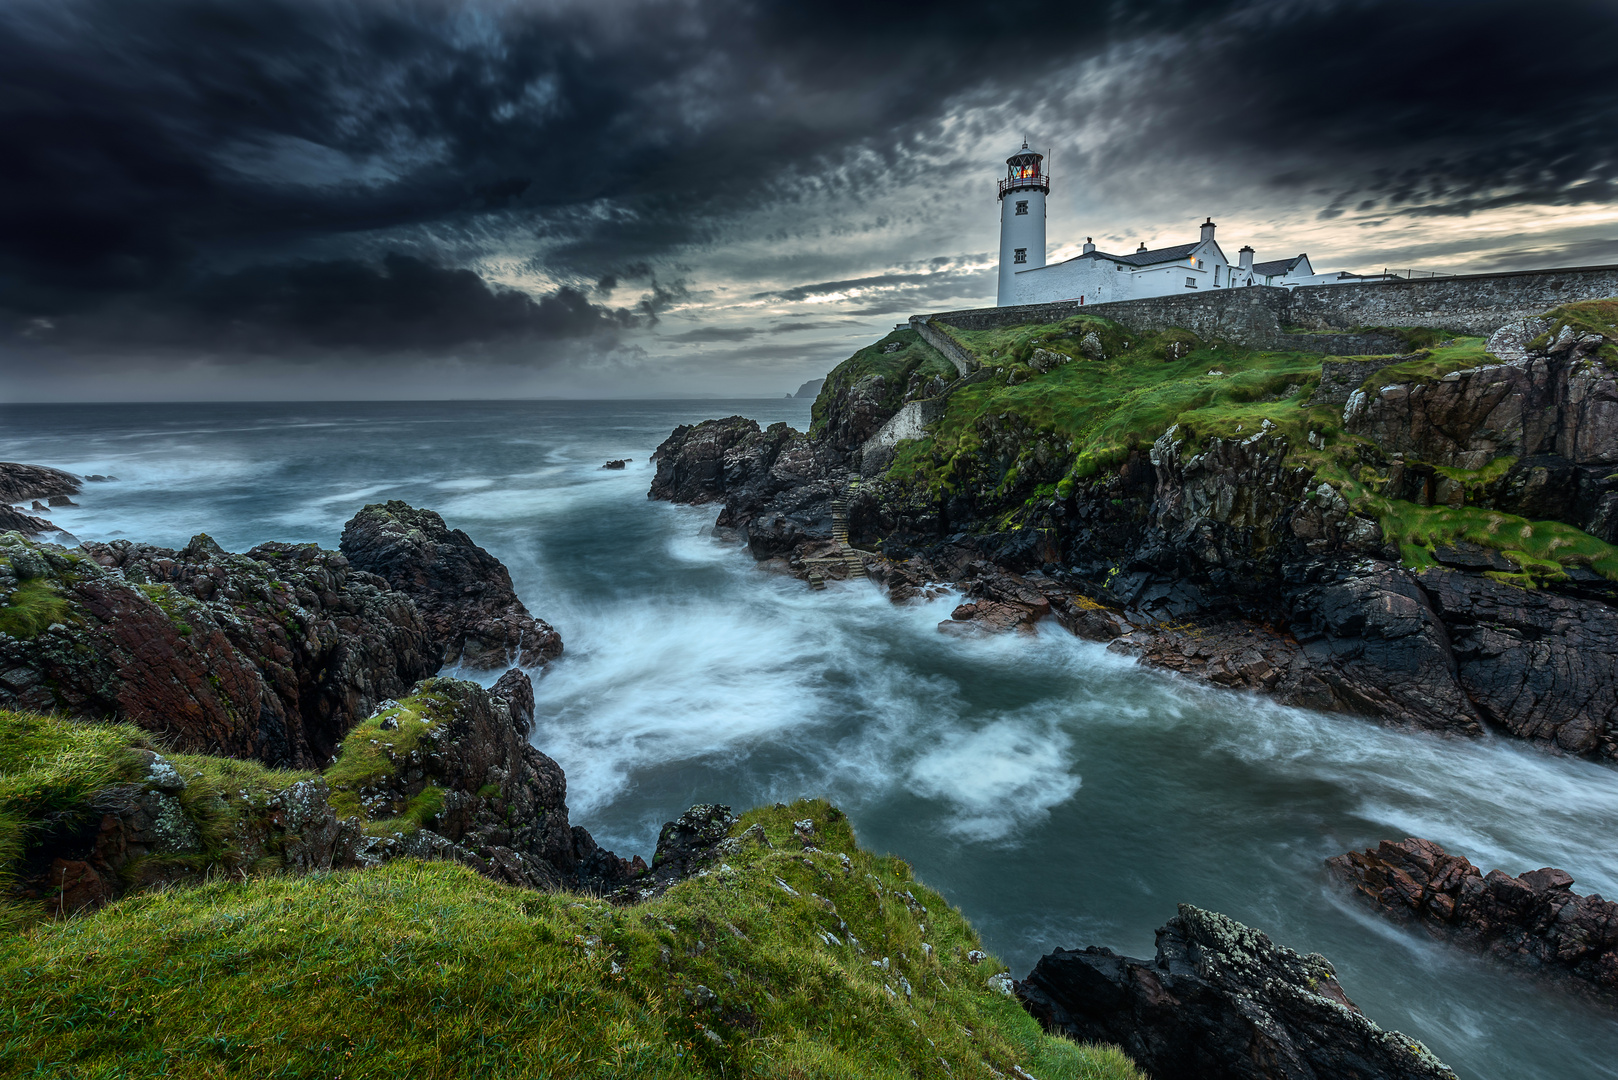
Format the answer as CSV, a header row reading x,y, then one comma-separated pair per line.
x,y
1024,156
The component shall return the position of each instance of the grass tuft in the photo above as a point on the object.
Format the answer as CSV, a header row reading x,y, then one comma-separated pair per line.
x,y
32,607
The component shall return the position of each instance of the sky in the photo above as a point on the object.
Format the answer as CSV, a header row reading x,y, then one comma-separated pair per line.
x,y
306,199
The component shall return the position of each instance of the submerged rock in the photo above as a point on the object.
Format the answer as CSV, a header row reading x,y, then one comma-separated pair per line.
x,y
1221,1001
1535,919
463,593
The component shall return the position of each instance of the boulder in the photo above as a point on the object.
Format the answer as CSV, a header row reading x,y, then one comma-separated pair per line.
x,y
693,843
1535,920
711,460
150,832
1371,633
1221,1001
464,594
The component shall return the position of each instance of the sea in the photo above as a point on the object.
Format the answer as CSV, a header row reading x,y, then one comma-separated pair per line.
x,y
1057,793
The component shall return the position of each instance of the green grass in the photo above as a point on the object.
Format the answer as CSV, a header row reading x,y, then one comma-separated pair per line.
x,y
1542,550
427,970
1431,365
32,607
897,368
50,767
1590,316
370,753
1094,412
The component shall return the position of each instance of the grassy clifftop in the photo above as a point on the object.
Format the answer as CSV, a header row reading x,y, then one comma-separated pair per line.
x,y
786,961
1065,404
897,358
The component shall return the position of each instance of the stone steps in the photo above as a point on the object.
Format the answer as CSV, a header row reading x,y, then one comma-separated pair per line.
x,y
852,563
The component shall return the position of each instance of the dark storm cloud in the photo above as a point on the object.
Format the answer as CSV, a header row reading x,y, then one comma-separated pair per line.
x,y
714,333
1446,107
405,305
238,174
792,327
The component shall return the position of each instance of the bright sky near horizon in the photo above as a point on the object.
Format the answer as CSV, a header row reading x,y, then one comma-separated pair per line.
x,y
204,199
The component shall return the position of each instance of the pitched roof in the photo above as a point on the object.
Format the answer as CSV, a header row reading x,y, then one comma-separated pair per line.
x,y
1146,258
1276,267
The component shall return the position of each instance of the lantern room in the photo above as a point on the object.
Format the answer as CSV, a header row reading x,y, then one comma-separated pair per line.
x,y
1025,170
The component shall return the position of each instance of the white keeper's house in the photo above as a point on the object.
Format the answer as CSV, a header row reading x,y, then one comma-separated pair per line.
x,y
1096,277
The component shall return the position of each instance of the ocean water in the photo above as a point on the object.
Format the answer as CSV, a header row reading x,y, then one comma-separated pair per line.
x,y
1057,793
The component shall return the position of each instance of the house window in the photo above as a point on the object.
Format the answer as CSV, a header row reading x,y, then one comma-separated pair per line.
x,y
1216,275
1022,206
1021,256
1190,282
1199,264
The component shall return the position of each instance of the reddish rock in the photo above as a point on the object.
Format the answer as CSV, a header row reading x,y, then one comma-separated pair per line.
x,y
270,655
1535,919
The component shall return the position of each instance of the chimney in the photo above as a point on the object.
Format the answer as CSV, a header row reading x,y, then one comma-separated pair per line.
x,y
1141,248
1089,244
1245,257
1208,230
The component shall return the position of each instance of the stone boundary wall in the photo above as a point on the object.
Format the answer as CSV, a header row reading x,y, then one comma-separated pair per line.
x,y
965,363
1473,303
1266,317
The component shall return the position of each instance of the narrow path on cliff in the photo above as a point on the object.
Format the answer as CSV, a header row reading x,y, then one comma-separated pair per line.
x,y
1057,793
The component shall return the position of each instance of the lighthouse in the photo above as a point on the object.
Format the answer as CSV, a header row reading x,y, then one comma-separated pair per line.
x,y
1022,217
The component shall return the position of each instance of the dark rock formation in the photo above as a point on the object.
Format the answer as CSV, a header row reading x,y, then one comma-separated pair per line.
x,y
1541,665
14,520
463,593
716,458
617,463
1371,633
503,803
1535,919
1554,412
270,655
1220,1002
810,389
21,483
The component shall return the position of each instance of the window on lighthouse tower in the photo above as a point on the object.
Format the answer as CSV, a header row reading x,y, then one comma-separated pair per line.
x,y
1022,206
1019,255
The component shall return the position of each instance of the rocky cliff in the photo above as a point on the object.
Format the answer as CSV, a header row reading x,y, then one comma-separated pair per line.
x,y
1423,538
31,484
270,655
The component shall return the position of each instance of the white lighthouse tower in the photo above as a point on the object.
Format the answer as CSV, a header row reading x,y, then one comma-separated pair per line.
x,y
1022,218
